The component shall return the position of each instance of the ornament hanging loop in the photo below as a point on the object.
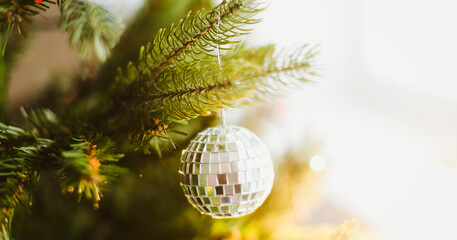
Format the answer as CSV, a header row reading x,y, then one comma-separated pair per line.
x,y
223,121
218,50
219,61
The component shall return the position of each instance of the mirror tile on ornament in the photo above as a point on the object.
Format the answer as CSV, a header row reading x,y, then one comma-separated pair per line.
x,y
225,167
204,169
224,156
234,156
219,190
214,168
212,179
205,157
215,201
232,178
228,190
210,191
202,180
222,179
214,157
237,188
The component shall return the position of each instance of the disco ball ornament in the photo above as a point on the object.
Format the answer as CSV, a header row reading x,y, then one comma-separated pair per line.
x,y
226,172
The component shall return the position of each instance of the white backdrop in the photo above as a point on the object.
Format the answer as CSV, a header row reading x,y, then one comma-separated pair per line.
x,y
386,107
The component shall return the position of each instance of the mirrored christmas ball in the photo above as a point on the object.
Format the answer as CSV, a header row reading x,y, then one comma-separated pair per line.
x,y
226,172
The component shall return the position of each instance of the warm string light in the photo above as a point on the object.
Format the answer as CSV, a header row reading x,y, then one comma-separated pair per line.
x,y
317,163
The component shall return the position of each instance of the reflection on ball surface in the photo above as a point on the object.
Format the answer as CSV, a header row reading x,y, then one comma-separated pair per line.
x,y
226,172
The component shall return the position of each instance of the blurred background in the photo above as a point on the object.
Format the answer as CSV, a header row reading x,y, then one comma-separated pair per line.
x,y
385,107
377,132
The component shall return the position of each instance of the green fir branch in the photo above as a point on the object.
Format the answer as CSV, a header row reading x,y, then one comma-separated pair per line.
x,y
199,91
91,28
43,123
194,37
283,72
247,75
86,165
20,158
80,164
154,15
13,15
176,51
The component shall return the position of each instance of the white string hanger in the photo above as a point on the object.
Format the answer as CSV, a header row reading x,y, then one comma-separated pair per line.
x,y
219,61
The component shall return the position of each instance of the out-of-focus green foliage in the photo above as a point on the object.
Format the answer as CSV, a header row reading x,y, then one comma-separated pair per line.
x,y
79,164
91,28
20,158
86,165
14,14
4,108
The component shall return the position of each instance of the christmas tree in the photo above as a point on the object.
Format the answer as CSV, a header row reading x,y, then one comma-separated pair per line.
x,y
99,160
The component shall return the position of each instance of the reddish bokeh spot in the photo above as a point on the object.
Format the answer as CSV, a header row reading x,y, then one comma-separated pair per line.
x,y
281,108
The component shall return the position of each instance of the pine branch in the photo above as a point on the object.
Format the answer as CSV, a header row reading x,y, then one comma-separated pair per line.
x,y
193,38
154,15
179,94
203,90
19,162
90,27
174,50
87,165
13,15
79,164
284,73
246,75
83,162
43,123
176,76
